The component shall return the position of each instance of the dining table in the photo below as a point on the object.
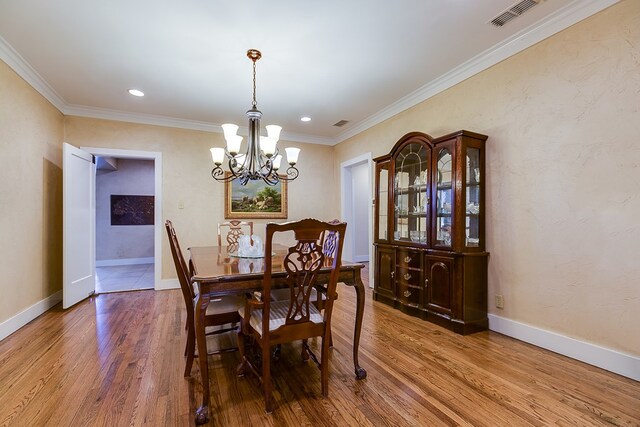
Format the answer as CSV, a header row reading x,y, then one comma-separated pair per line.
x,y
218,272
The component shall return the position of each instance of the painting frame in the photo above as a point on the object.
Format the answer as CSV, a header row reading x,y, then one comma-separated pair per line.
x,y
247,202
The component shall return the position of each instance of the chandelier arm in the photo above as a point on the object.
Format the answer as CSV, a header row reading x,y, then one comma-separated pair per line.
x,y
265,164
292,173
218,174
272,178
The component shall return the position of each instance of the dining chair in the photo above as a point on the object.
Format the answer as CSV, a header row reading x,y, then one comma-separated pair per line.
x,y
319,292
269,323
234,233
220,312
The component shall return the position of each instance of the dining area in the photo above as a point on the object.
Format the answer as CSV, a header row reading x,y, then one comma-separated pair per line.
x,y
255,303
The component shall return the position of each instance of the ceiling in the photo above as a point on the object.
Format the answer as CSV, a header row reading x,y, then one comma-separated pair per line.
x,y
356,60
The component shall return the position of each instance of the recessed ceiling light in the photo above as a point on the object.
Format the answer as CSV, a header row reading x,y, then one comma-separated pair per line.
x,y
136,92
305,119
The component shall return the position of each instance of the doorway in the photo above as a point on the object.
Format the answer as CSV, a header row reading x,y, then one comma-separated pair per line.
x,y
128,257
357,208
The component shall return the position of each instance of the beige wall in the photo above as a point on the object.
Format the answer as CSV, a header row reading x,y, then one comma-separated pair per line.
x,y
186,177
563,157
31,132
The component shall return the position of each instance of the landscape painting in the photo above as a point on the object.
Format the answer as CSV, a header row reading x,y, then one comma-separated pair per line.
x,y
255,200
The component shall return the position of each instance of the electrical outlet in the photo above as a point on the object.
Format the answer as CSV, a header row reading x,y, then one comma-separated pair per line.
x,y
499,301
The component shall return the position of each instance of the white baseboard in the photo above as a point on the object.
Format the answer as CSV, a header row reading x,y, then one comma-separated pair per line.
x,y
16,322
167,284
605,358
124,261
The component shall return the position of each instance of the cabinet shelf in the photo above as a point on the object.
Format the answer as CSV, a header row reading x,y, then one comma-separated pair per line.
x,y
411,190
413,215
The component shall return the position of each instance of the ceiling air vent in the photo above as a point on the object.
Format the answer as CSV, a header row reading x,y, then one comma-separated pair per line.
x,y
341,123
513,12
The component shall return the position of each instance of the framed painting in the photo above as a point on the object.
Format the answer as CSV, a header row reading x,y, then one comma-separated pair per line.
x,y
132,210
255,200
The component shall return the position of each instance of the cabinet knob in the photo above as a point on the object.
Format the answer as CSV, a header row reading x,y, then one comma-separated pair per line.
x,y
407,276
407,259
393,273
407,294
426,282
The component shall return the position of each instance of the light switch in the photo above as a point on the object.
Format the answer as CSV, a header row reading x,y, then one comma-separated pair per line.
x,y
181,204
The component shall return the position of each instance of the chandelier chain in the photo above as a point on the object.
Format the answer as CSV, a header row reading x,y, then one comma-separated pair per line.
x,y
254,85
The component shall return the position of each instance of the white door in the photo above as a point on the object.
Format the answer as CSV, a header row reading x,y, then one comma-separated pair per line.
x,y
78,186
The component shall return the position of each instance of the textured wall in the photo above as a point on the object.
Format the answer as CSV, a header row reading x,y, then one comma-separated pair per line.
x,y
133,177
563,160
186,177
31,131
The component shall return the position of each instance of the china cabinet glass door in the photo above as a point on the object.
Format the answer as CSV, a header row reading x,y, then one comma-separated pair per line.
x,y
444,197
411,194
472,213
383,201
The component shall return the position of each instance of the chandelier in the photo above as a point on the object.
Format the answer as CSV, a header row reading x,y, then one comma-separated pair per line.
x,y
260,161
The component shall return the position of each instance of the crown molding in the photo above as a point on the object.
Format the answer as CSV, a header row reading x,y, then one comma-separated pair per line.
x,y
14,60
309,139
141,118
569,15
150,119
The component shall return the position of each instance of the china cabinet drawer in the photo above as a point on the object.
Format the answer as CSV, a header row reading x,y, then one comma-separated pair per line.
x,y
408,277
408,259
408,295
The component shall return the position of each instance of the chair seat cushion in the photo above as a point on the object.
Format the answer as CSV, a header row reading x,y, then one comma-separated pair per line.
x,y
278,315
224,304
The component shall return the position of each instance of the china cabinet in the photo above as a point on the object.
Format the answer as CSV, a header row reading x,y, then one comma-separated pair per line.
x,y
429,229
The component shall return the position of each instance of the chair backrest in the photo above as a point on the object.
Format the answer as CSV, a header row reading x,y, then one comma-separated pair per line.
x,y
330,241
234,233
303,263
181,267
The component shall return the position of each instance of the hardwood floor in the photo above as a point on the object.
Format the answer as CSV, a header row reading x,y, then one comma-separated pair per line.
x,y
116,360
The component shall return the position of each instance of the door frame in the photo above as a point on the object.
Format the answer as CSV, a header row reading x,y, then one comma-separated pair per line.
x,y
346,203
156,156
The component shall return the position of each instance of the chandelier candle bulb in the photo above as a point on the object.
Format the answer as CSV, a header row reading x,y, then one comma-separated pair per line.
x,y
217,155
233,144
292,155
268,145
276,162
229,130
261,160
274,131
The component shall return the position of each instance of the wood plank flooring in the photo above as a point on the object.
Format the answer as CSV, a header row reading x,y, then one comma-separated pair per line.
x,y
116,360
